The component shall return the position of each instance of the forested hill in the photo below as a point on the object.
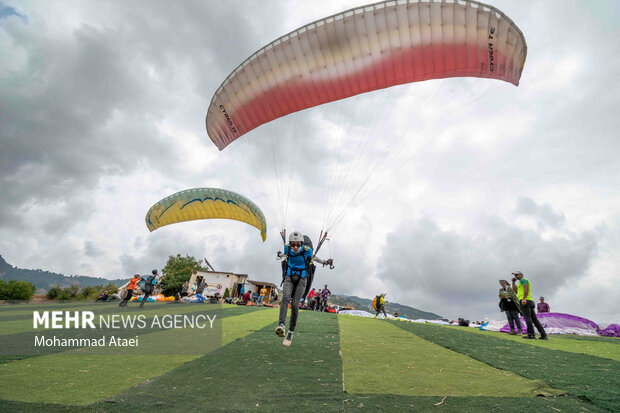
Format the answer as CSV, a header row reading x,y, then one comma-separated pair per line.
x,y
45,279
365,304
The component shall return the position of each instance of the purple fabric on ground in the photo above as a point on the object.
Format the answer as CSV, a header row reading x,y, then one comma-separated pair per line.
x,y
559,323
612,330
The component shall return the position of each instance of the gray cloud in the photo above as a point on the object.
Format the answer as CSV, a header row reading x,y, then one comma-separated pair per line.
x,y
85,104
91,250
544,214
456,274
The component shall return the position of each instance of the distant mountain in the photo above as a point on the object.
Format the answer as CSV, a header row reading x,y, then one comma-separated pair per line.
x,y
365,304
44,280
343,301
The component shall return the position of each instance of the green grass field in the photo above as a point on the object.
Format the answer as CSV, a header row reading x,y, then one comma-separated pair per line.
x,y
336,363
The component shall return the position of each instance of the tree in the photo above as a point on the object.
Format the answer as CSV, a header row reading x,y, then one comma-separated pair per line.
x,y
16,290
53,292
91,292
176,271
3,286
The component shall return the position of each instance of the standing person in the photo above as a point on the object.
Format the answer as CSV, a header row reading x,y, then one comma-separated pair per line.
x,y
274,295
509,303
148,287
324,296
203,285
543,307
524,294
311,299
130,289
317,300
263,293
379,304
295,275
184,289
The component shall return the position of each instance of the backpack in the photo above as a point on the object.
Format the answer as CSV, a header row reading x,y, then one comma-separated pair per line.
x,y
376,303
147,285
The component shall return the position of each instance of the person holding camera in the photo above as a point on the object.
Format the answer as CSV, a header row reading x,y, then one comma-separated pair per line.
x,y
524,294
509,303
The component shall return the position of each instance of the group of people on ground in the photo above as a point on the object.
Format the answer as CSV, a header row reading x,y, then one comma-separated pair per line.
x,y
257,297
194,289
147,286
517,300
317,299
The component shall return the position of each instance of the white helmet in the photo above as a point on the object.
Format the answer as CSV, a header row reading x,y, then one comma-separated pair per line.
x,y
383,294
296,236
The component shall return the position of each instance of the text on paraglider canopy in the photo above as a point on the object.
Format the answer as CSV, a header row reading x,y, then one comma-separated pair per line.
x,y
86,319
491,55
233,128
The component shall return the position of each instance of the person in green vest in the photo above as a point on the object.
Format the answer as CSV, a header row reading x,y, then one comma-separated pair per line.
x,y
524,294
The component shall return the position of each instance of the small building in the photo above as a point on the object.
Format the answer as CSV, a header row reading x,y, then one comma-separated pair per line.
x,y
217,282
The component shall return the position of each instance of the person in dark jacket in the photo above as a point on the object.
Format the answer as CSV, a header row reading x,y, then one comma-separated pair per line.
x,y
508,303
149,286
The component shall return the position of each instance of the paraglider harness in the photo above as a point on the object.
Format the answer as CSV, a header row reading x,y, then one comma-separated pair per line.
x,y
376,303
310,267
147,285
295,275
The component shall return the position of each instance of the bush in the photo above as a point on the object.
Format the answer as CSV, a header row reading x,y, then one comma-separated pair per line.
x,y
3,287
226,292
74,292
90,291
16,290
53,292
63,294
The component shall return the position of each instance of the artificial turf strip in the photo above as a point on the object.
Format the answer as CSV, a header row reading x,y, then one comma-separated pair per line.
x,y
591,378
398,403
378,357
70,378
602,339
600,348
235,376
255,373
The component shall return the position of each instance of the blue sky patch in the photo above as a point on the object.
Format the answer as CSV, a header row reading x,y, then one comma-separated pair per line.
x,y
7,11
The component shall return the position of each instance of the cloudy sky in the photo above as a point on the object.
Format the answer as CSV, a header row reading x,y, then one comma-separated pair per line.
x,y
459,182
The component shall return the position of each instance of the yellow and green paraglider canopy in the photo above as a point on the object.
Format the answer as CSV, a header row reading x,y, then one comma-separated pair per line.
x,y
205,203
